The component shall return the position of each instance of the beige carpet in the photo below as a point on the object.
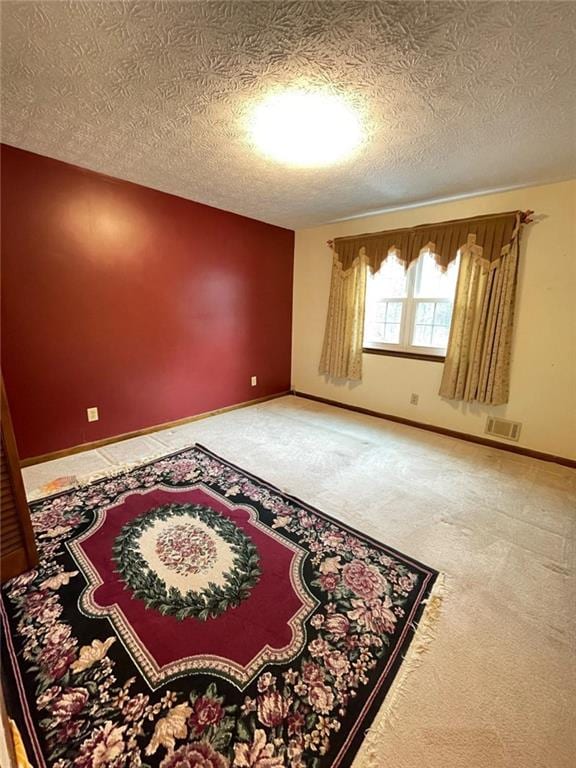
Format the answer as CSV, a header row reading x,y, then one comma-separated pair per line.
x,y
497,688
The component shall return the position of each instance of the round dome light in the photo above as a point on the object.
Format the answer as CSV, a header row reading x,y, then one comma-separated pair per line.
x,y
306,129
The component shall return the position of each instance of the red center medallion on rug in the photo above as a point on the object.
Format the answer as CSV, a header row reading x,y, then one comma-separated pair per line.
x,y
265,627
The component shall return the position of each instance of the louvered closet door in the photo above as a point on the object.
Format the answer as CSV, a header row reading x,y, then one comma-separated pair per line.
x,y
17,547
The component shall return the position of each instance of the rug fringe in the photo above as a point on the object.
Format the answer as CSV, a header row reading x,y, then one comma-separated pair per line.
x,y
115,471
19,748
369,755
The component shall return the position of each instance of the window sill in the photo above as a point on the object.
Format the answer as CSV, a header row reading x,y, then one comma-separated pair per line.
x,y
410,355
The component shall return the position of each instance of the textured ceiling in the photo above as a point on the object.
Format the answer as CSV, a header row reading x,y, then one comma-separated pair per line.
x,y
459,96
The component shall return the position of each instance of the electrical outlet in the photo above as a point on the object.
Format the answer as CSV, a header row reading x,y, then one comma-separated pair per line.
x,y
253,381
92,414
414,398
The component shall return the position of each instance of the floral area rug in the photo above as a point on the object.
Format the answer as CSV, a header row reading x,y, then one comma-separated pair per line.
x,y
186,614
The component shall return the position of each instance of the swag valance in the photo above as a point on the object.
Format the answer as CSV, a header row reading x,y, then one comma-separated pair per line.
x,y
488,233
478,356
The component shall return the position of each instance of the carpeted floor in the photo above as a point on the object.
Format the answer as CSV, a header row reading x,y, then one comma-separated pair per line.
x,y
497,687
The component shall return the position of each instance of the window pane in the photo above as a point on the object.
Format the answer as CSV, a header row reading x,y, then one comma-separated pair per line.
x,y
385,292
394,312
383,320
432,283
422,336
425,313
443,313
432,323
380,311
392,333
440,336
390,281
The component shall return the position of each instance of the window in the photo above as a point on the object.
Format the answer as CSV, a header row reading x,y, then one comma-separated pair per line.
x,y
410,311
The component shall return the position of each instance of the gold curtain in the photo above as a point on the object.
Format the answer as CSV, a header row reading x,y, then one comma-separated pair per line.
x,y
342,349
478,356
477,363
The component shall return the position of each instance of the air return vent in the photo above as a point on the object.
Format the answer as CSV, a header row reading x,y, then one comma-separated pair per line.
x,y
502,428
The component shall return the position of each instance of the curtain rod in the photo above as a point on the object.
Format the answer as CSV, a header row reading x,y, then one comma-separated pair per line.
x,y
526,217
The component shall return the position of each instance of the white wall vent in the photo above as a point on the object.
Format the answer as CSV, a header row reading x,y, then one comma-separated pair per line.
x,y
502,428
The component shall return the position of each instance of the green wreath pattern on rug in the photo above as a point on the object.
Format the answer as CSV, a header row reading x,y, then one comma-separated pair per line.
x,y
208,602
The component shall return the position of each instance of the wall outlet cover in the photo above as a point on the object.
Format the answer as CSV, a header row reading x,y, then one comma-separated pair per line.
x,y
92,414
254,381
414,398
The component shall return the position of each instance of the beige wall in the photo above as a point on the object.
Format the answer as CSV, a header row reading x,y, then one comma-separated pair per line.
x,y
543,378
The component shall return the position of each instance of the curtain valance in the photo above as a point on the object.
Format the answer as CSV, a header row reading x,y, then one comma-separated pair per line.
x,y
489,234
477,363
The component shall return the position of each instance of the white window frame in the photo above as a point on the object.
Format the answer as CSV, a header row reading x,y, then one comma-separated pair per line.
x,y
410,302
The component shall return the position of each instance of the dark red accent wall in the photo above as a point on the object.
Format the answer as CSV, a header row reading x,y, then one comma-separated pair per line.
x,y
151,307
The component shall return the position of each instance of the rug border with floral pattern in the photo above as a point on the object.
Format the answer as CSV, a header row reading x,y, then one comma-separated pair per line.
x,y
17,690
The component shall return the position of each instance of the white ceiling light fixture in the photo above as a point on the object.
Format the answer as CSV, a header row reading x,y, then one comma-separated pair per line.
x,y
306,128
